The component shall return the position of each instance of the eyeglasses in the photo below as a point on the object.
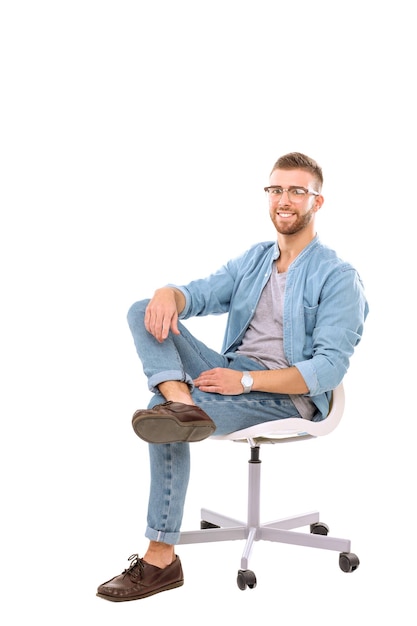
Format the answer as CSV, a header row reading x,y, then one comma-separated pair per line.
x,y
295,194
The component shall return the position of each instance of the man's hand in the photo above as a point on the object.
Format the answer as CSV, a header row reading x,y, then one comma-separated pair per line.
x,y
161,314
220,380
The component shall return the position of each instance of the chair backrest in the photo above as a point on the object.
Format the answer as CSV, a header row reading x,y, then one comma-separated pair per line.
x,y
293,428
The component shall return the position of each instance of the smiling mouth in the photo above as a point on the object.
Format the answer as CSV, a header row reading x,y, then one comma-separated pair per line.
x,y
285,214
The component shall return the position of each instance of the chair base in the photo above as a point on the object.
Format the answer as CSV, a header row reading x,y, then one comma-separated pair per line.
x,y
218,527
278,531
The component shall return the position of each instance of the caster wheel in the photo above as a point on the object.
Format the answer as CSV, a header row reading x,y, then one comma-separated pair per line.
x,y
204,524
246,578
319,528
348,562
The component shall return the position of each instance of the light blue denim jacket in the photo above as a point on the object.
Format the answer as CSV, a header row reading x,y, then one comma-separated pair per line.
x,y
324,309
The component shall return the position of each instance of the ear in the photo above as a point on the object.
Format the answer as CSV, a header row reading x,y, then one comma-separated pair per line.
x,y
318,202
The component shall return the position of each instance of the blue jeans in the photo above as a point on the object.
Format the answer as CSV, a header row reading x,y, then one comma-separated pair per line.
x,y
182,357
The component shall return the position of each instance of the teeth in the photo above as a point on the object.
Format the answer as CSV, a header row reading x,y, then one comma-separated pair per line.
x,y
285,214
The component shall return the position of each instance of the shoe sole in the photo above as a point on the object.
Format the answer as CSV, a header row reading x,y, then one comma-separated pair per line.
x,y
142,595
169,429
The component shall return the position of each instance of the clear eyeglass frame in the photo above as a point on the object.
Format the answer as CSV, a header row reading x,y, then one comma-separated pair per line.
x,y
295,193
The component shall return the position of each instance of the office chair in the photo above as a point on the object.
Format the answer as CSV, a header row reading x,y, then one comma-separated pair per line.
x,y
218,527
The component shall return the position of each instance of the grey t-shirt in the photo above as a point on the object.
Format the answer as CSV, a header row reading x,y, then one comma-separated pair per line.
x,y
263,340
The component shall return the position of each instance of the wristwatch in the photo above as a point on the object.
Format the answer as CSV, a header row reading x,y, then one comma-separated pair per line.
x,y
247,382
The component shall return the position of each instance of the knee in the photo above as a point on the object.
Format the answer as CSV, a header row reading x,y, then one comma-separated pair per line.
x,y
136,313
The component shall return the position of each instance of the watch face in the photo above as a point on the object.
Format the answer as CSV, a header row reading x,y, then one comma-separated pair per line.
x,y
247,381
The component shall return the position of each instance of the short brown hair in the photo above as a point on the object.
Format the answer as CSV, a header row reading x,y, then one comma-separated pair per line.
x,y
299,161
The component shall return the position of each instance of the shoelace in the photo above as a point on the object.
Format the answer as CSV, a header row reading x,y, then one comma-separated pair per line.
x,y
135,568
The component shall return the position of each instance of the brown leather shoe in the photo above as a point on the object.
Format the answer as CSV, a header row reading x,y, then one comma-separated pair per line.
x,y
171,422
141,580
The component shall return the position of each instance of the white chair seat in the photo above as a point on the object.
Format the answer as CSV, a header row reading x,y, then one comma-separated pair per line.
x,y
292,428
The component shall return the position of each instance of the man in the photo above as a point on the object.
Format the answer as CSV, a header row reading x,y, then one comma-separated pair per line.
x,y
295,314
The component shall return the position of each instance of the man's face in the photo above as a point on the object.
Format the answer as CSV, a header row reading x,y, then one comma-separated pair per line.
x,y
290,211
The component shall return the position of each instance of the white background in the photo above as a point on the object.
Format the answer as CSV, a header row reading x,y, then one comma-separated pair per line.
x,y
136,138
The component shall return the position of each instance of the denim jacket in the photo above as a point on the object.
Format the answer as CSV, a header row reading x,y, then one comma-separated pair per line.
x,y
324,309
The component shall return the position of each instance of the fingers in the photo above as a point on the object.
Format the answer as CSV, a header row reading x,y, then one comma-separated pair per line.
x,y
205,378
160,320
219,380
161,314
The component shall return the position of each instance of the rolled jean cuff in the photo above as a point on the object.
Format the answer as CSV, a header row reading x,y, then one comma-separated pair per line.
x,y
159,535
163,377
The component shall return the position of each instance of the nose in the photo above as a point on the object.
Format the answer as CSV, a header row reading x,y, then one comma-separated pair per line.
x,y
281,200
